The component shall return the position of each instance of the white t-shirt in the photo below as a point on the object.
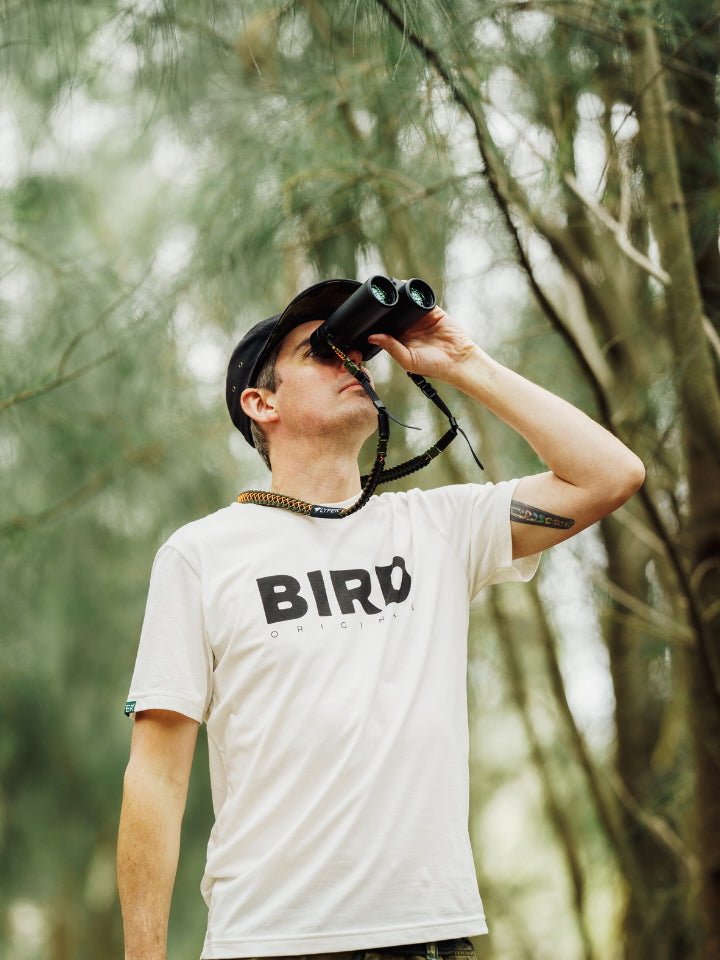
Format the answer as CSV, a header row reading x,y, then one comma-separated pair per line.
x,y
328,659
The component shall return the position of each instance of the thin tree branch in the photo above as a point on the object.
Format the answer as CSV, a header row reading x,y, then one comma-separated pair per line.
x,y
34,253
58,381
61,377
679,632
421,194
640,530
659,828
150,453
618,231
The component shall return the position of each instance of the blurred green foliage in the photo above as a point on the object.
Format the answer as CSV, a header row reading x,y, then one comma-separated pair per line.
x,y
172,172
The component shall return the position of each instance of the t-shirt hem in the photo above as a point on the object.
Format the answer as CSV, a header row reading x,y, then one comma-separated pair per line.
x,y
341,942
136,703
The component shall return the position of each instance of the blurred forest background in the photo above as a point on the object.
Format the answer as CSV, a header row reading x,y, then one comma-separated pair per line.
x,y
171,172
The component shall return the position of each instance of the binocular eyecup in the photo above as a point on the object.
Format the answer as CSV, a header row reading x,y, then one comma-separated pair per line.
x,y
379,305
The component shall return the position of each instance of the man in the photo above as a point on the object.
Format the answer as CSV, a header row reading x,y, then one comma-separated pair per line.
x,y
328,656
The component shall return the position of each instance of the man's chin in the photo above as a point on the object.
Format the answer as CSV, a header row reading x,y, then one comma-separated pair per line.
x,y
363,417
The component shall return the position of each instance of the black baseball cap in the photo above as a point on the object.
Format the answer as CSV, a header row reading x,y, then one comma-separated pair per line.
x,y
315,303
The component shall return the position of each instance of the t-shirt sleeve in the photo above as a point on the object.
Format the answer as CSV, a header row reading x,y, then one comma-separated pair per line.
x,y
173,669
475,518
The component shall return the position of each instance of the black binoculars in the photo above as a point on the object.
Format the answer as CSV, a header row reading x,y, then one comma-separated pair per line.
x,y
380,305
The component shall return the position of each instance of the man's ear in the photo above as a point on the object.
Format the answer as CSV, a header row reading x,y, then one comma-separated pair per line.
x,y
258,404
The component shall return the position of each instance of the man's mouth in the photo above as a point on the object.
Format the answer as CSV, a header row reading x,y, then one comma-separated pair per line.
x,y
352,383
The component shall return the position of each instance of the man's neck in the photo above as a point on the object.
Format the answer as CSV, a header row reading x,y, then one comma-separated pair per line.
x,y
322,480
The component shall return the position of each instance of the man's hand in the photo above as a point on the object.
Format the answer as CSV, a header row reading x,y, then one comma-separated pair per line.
x,y
433,346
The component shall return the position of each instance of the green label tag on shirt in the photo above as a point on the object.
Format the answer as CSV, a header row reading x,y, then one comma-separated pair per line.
x,y
130,707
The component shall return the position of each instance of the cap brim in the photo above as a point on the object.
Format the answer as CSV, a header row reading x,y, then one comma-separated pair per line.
x,y
314,303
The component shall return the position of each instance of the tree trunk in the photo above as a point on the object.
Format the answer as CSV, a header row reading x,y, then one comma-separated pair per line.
x,y
656,922
700,426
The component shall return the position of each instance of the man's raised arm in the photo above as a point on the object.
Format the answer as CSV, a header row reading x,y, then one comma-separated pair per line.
x,y
591,472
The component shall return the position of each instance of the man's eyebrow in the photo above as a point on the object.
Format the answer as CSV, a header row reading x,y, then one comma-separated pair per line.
x,y
303,343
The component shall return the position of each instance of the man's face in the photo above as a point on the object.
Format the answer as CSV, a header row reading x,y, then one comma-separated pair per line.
x,y
317,396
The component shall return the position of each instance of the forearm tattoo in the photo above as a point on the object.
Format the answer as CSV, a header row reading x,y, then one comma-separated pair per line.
x,y
522,513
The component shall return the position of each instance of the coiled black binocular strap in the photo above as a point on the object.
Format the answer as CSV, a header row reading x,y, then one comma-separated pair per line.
x,y
378,474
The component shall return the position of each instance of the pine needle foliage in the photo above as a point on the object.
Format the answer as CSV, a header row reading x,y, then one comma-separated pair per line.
x,y
173,172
